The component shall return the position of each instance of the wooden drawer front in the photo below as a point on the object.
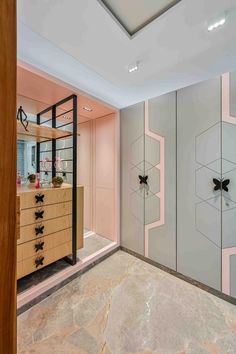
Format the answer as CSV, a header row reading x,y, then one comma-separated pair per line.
x,y
28,233
43,244
45,197
28,265
44,212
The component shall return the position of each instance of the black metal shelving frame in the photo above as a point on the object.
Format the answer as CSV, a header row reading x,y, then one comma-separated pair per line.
x,y
53,120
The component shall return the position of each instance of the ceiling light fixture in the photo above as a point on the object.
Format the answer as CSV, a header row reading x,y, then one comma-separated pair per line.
x,y
217,24
133,67
66,117
88,109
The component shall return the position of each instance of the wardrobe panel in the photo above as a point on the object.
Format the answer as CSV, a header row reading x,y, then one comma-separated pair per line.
x,y
229,176
161,121
132,165
198,162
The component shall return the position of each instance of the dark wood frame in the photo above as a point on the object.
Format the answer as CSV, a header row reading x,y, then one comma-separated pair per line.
x,y
8,177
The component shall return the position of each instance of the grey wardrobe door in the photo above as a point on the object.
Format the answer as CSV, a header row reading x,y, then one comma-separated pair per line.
x,y
132,165
198,162
161,122
229,197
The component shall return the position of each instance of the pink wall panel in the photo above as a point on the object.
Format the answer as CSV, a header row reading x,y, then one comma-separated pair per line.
x,y
104,212
84,173
105,151
97,160
104,179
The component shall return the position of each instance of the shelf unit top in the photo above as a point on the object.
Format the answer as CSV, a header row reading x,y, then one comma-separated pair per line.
x,y
40,133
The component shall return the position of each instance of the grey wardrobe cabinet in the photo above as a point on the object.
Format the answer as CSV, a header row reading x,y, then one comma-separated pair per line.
x,y
148,149
178,181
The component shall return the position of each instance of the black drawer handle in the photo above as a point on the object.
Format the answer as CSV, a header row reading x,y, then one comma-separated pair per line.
x,y
39,230
39,198
39,246
221,184
143,179
39,214
39,261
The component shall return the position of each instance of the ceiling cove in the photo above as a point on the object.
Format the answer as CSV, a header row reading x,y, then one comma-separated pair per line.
x,y
133,15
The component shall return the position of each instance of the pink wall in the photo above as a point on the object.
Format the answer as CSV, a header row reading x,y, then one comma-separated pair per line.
x,y
97,167
84,173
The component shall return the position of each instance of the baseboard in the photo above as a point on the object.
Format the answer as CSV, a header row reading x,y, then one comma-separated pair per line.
x,y
181,276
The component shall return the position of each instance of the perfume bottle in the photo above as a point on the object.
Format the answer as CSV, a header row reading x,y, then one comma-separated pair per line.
x,y
18,179
37,183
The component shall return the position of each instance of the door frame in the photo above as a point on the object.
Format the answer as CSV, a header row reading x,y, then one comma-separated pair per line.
x,y
8,177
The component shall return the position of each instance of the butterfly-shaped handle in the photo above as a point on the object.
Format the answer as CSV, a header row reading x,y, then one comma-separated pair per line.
x,y
221,184
39,246
143,179
39,230
39,214
39,261
39,198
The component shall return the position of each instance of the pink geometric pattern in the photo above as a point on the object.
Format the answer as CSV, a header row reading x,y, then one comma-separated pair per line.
x,y
161,168
226,117
226,253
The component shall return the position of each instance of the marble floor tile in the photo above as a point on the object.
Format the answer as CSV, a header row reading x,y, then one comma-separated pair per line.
x,y
92,244
126,306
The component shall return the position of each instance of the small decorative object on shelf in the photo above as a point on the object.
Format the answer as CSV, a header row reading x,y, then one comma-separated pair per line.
x,y
37,182
32,178
57,182
23,120
18,179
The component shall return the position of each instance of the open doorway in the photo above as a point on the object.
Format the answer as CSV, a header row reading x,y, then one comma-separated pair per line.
x,y
94,152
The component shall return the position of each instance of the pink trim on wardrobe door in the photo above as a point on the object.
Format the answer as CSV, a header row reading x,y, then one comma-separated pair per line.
x,y
226,117
226,253
161,168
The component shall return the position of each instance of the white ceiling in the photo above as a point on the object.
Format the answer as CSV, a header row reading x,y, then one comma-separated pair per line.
x,y
134,14
79,42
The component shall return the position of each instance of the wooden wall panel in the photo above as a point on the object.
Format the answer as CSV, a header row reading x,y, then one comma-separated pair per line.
x,y
8,177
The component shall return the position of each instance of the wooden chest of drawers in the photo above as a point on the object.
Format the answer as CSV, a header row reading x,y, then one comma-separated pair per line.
x,y
46,227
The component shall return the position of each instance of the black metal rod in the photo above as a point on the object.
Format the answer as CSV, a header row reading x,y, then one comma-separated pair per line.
x,y
62,114
38,149
58,104
53,142
64,125
74,195
65,148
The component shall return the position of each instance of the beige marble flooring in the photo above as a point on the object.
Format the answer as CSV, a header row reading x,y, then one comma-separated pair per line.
x,y
92,244
124,305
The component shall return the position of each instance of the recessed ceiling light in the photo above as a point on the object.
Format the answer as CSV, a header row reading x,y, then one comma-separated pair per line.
x,y
217,24
66,117
88,109
133,67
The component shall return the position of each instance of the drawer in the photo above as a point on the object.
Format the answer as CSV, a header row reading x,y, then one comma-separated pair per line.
x,y
29,265
44,212
43,244
45,197
29,233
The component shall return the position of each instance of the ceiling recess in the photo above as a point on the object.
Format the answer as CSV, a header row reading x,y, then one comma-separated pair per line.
x,y
134,15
